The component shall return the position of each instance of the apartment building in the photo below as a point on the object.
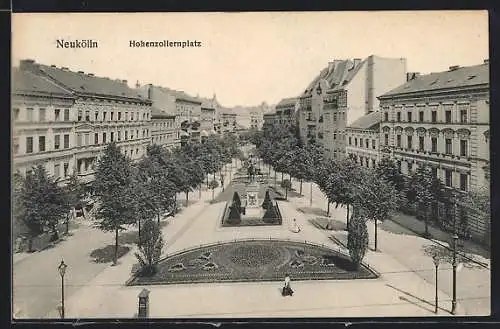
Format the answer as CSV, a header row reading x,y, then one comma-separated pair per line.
x,y
343,92
164,130
363,140
286,112
103,111
441,120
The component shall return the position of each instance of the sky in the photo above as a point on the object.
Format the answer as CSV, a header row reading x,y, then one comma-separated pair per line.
x,y
248,58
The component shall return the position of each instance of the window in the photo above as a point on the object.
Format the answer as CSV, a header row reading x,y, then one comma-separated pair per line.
x,y
334,116
96,115
79,140
447,116
463,116
367,143
96,139
104,138
126,135
131,134
463,148
334,136
361,142
421,116
112,136
80,115
144,116
131,116
373,163
398,140
87,115
350,140
386,139
41,143
41,115
434,171
448,176
386,116
463,182
410,141
119,116
373,144
57,114
355,141
29,114
66,141
57,170
434,144
136,151
398,116
409,116
57,142
87,139
104,116
65,169
29,144
15,145
421,143
119,135
112,115
126,115
434,116
448,146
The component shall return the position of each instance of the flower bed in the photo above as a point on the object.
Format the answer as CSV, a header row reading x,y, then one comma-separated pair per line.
x,y
259,260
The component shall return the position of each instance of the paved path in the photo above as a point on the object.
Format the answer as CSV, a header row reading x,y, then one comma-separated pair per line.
x,y
473,283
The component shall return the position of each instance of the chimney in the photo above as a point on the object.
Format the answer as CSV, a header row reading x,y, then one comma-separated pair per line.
x,y
486,61
64,69
454,67
53,65
90,74
412,75
356,61
81,72
137,84
124,82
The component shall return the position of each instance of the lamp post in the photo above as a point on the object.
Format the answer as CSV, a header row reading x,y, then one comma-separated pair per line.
x,y
454,264
435,259
62,270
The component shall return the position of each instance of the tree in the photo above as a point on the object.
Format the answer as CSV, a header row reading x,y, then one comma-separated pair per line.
x,y
113,186
286,184
234,216
236,200
270,215
357,238
213,185
75,194
420,187
43,203
388,169
17,204
267,200
144,196
302,164
378,198
150,246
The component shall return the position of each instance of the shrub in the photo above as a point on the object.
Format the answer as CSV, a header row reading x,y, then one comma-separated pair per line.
x,y
234,215
267,200
236,201
150,248
271,215
357,239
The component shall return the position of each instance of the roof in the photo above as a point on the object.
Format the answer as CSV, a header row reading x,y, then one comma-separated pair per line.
x,y
181,95
208,103
286,102
157,113
460,77
368,121
25,82
82,83
337,74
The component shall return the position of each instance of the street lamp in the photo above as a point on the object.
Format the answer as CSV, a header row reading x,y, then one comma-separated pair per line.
x,y
62,270
454,264
435,259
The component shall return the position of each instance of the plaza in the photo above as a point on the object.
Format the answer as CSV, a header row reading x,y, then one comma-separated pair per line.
x,y
402,289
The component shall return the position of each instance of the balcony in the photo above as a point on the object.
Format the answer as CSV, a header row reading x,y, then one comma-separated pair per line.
x,y
321,118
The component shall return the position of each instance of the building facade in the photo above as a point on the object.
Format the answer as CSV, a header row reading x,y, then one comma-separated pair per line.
x,y
256,120
227,120
441,120
164,130
208,116
286,112
342,93
104,111
269,120
363,140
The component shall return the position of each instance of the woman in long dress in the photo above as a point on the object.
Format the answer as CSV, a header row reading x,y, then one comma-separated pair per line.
x,y
287,290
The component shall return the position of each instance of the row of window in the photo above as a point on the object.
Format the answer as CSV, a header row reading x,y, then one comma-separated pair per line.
x,y
84,139
42,143
102,116
366,144
59,115
463,117
448,142
167,124
447,175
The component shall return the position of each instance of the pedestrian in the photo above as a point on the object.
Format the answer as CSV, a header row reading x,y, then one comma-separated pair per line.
x,y
287,290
